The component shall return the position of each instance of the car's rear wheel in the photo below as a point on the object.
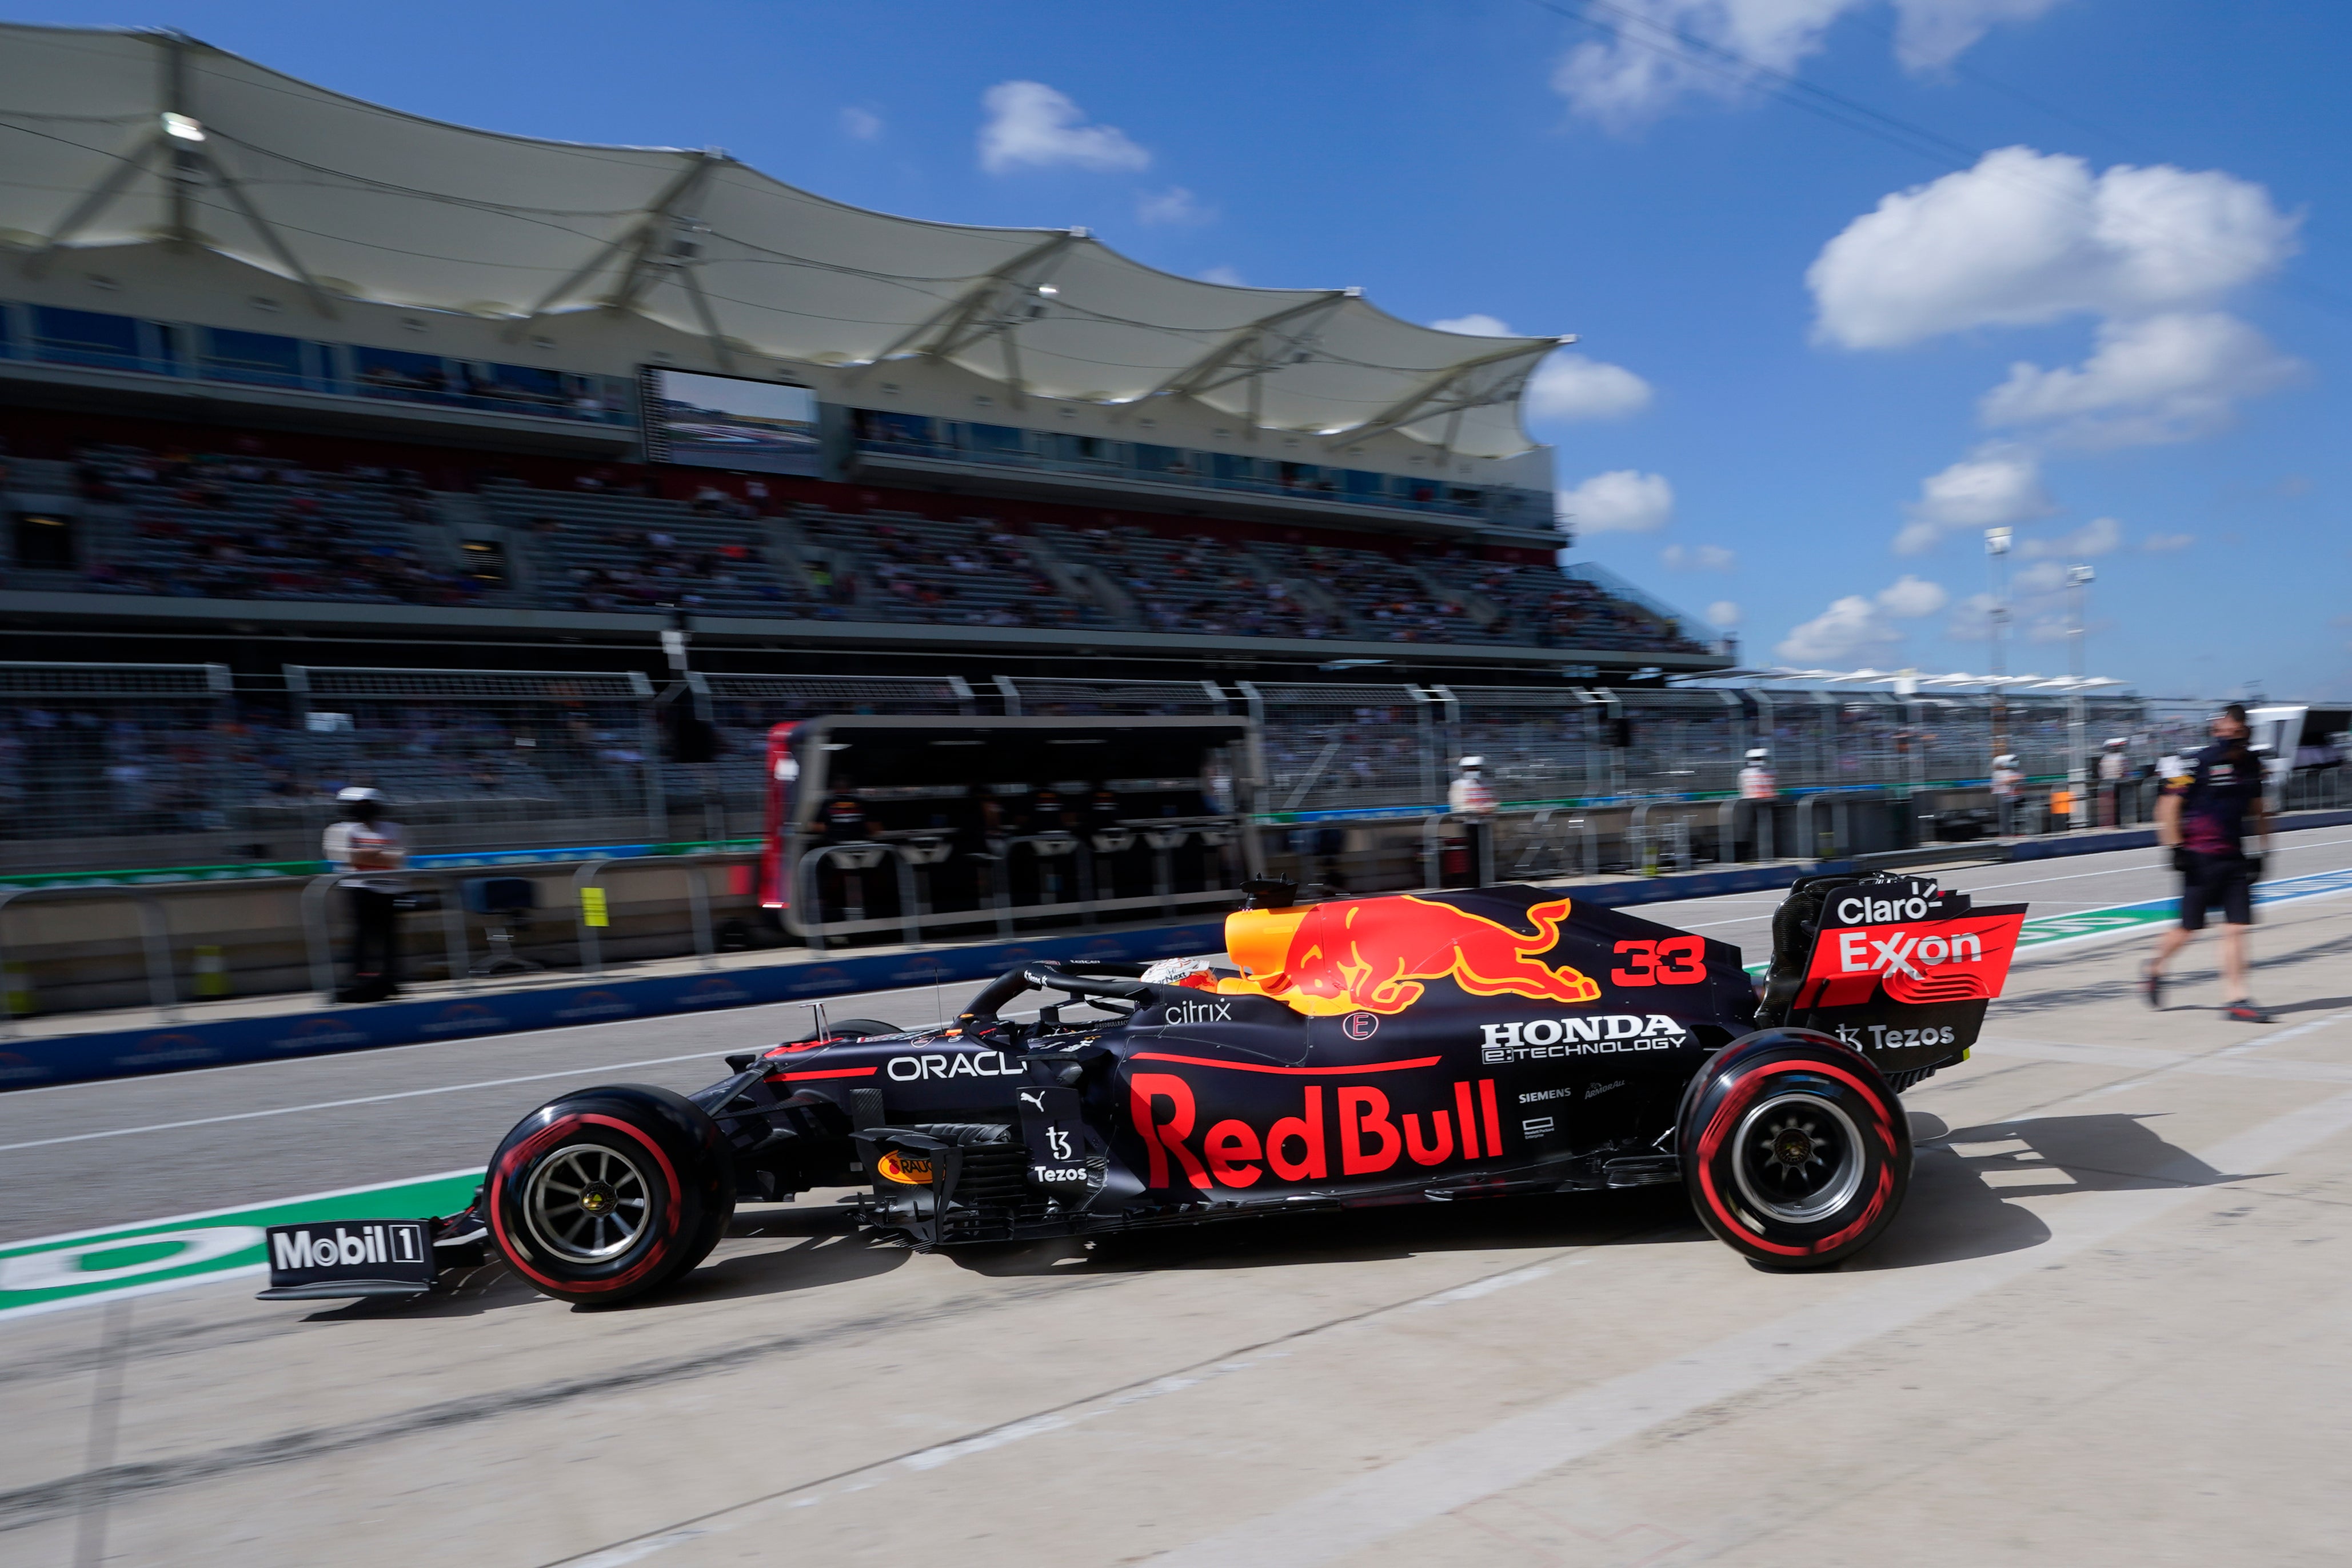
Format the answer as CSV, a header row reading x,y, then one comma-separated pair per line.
x,y
1795,1152
605,1194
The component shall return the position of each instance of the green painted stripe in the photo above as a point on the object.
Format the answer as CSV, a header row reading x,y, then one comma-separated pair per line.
x,y
190,1249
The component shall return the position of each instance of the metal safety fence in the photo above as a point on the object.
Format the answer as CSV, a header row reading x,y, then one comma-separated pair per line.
x,y
96,759
137,767
475,759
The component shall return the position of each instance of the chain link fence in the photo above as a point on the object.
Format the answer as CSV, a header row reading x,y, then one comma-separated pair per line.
x,y
473,759
93,756
1337,747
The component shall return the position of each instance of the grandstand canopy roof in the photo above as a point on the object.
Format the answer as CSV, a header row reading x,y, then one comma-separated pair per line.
x,y
133,137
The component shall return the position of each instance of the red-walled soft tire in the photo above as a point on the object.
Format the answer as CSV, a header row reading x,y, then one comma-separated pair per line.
x,y
604,1195
1795,1152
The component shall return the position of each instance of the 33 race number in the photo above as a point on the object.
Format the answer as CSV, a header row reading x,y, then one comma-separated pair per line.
x,y
1675,961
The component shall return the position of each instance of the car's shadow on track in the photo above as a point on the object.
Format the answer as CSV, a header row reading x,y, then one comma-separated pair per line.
x,y
1959,1207
1534,1223
1963,1179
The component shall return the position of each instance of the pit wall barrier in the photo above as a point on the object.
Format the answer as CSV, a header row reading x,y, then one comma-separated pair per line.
x,y
125,1054
121,1053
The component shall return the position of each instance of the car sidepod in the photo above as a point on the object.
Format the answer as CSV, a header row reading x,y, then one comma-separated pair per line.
x,y
1453,1045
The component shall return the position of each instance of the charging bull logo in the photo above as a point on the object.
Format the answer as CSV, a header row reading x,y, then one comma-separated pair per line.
x,y
1371,955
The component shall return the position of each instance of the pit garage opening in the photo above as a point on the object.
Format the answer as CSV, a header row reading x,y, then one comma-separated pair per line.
x,y
911,827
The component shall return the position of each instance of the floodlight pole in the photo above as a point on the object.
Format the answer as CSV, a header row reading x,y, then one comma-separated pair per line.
x,y
2078,773
1997,622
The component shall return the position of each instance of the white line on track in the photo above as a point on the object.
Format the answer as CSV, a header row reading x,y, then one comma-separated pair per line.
x,y
36,1242
394,1052
337,1105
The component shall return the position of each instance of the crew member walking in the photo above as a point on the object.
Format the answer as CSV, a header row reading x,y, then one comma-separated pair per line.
x,y
363,846
2201,818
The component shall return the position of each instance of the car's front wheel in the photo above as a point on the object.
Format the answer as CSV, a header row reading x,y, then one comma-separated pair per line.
x,y
1795,1152
604,1195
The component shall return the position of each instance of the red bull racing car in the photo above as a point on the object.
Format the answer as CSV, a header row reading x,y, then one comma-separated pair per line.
x,y
1408,1048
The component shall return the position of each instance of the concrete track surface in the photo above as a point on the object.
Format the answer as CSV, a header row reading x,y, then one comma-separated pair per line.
x,y
2108,1327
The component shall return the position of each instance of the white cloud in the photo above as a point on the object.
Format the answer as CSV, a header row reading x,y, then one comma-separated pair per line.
x,y
1620,501
1477,324
2164,378
1910,597
1570,386
1173,206
1723,614
860,124
1031,125
2100,536
1971,619
1850,628
1859,627
1699,558
1223,274
2042,576
1663,50
2161,543
2024,238
1566,385
1932,34
1997,485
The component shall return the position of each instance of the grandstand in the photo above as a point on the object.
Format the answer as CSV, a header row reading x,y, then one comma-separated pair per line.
x,y
276,363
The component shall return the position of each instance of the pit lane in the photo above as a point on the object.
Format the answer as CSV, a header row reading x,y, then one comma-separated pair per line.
x,y
2117,1216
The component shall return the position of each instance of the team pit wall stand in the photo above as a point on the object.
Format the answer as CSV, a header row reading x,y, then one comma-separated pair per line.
x,y
1413,1048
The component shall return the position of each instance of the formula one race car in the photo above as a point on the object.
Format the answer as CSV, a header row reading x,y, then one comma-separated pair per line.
x,y
1408,1048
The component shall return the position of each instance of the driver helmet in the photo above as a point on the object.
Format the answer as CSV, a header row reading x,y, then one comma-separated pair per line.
x,y
2006,759
1199,973
1759,756
1472,764
2116,744
361,804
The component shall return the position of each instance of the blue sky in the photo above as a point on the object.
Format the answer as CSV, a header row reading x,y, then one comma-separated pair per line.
x,y
2102,305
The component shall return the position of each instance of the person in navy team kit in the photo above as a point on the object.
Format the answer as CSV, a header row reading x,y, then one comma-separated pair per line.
x,y
2201,818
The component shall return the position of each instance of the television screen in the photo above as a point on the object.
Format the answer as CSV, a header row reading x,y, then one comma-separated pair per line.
x,y
725,422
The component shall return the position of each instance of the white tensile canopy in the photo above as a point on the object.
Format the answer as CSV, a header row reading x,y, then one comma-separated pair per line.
x,y
132,138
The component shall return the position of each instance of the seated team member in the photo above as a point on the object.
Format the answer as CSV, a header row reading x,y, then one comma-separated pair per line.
x,y
2201,818
844,816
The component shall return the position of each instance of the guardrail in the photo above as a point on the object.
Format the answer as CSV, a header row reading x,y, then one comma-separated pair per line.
x,y
317,935
698,896
154,934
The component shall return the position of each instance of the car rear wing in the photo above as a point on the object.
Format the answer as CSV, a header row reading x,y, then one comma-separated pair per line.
x,y
1894,965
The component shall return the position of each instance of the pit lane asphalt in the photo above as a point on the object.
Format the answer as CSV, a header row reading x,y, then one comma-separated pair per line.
x,y
2107,1328
83,1156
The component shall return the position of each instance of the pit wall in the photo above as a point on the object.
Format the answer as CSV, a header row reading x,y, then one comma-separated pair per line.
x,y
118,1054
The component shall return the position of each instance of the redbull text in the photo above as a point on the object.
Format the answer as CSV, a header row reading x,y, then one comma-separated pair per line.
x,y
1358,1121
